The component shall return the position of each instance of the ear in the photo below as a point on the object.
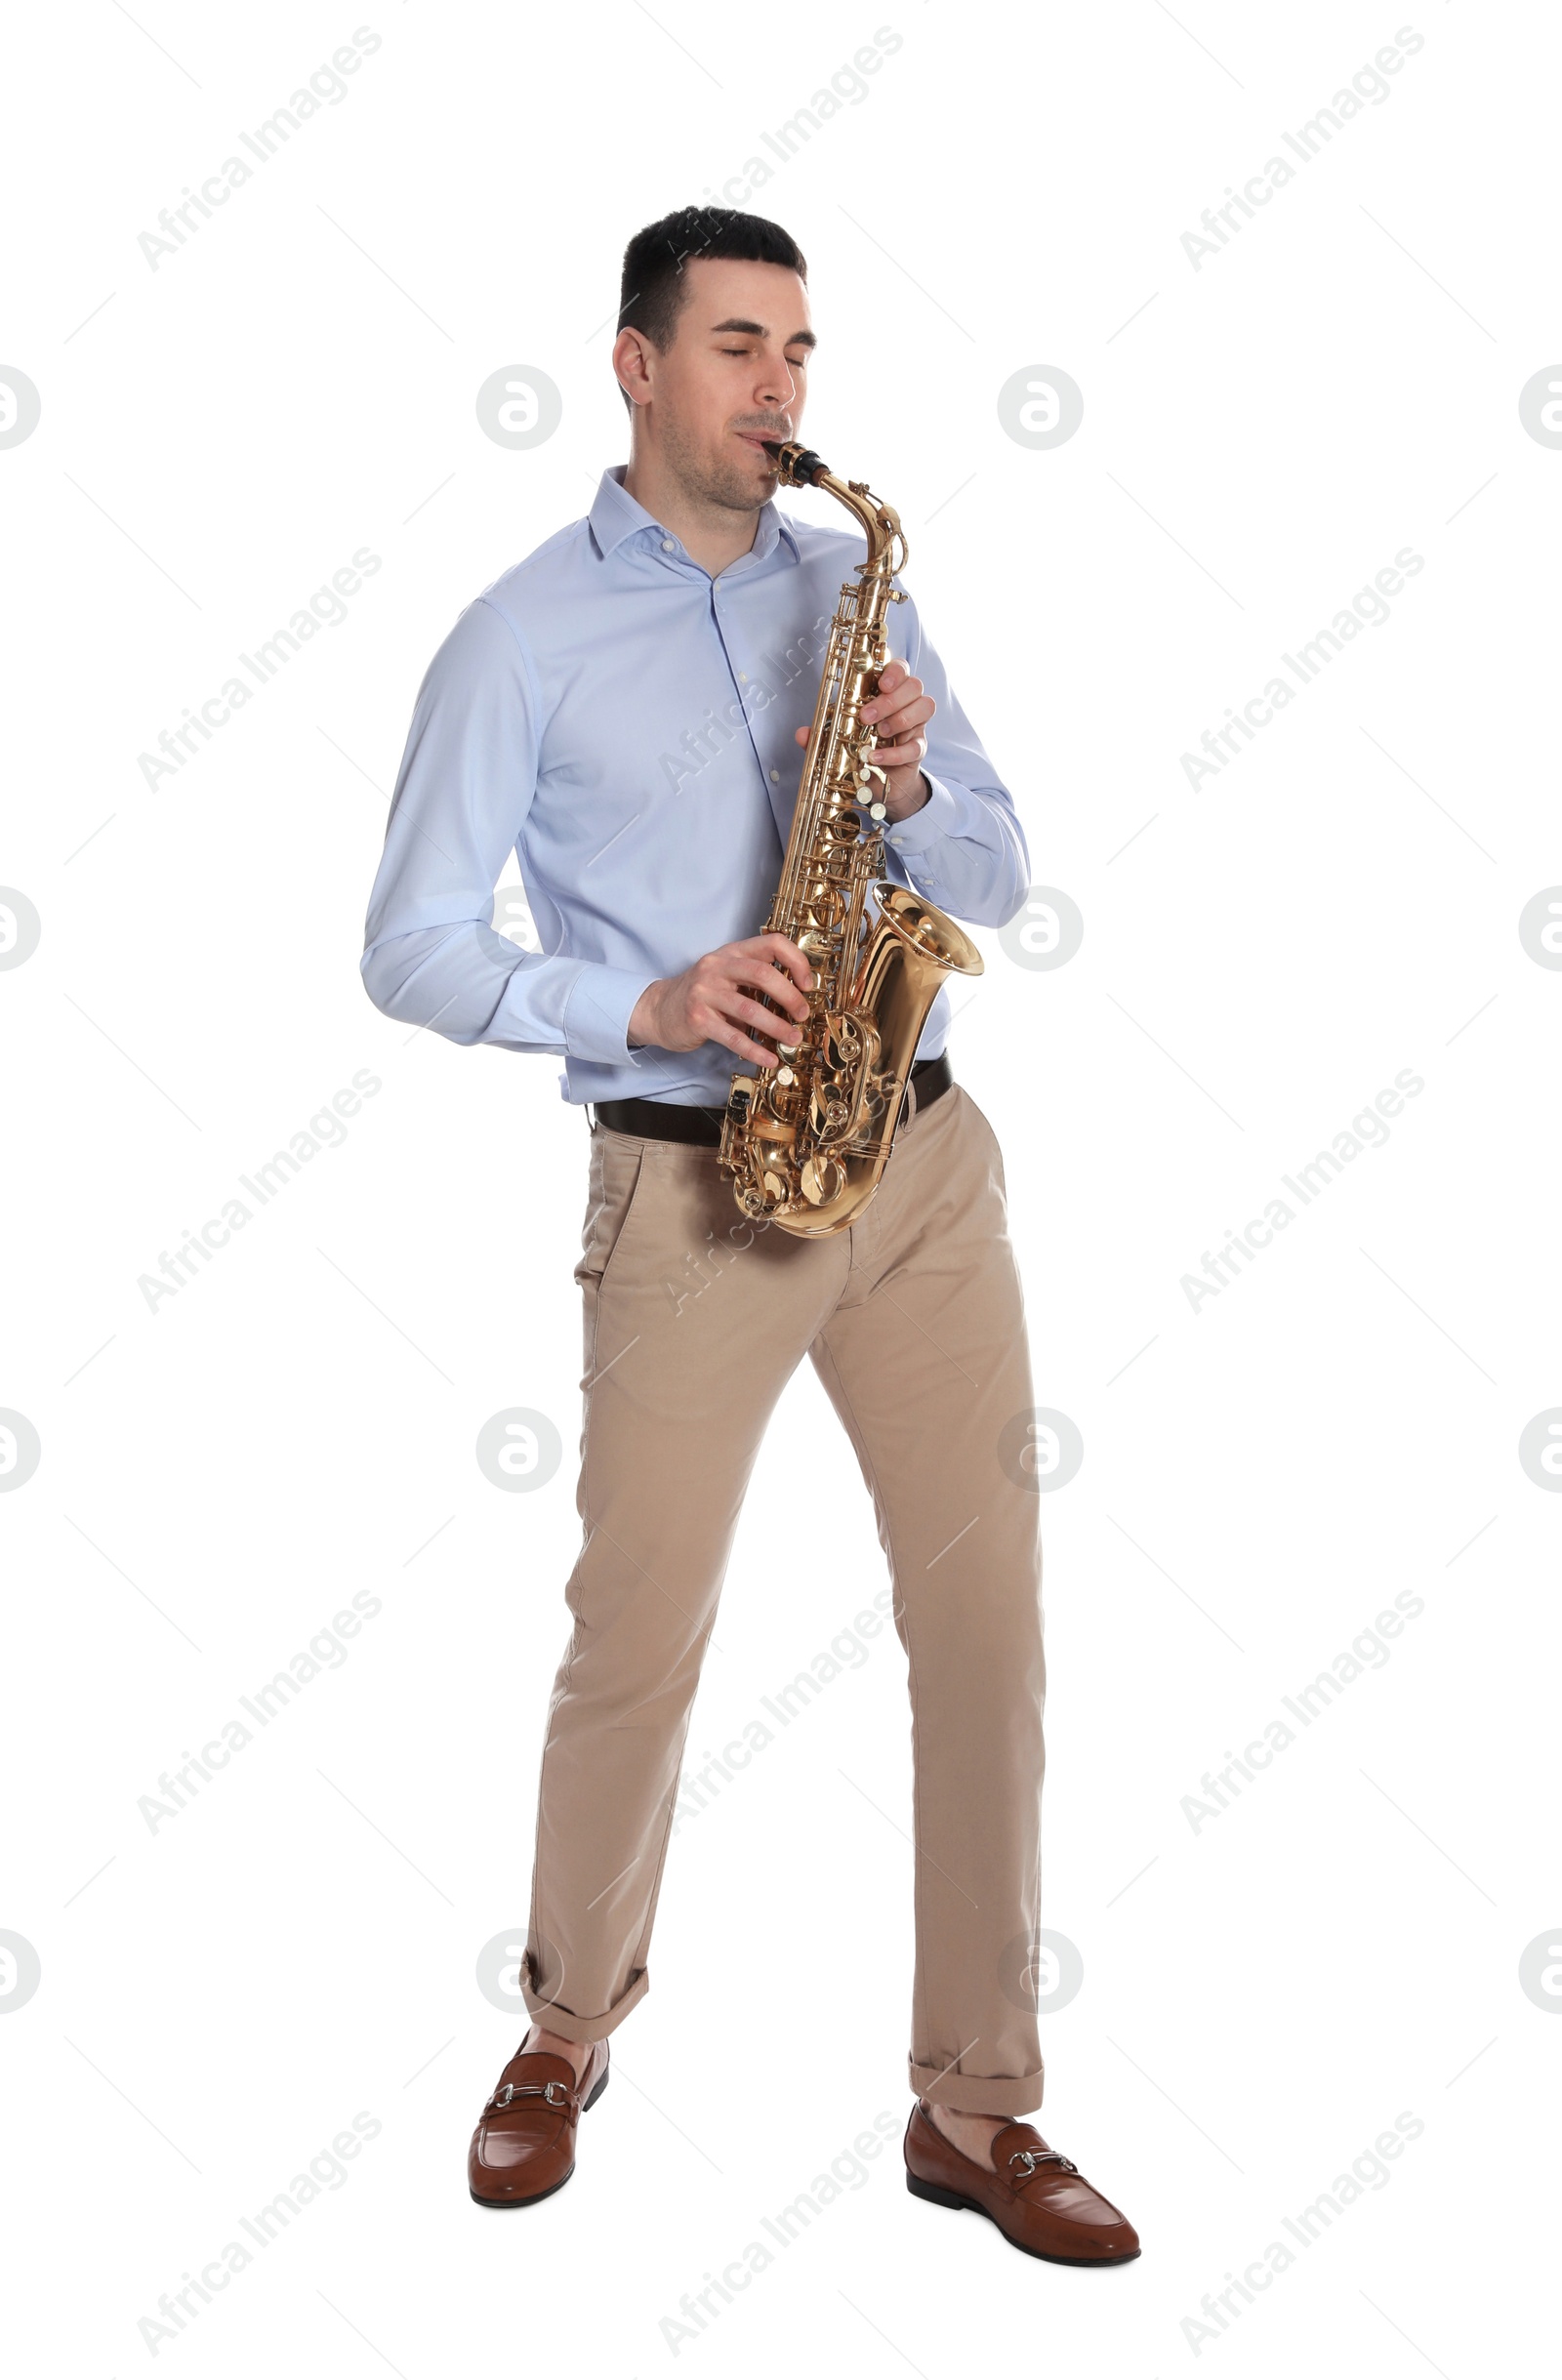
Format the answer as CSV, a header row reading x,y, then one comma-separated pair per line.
x,y
631,362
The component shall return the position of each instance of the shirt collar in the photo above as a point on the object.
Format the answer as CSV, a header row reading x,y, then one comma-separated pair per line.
x,y
616,516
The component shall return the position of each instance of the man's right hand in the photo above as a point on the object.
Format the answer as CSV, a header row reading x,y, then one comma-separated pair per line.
x,y
707,1001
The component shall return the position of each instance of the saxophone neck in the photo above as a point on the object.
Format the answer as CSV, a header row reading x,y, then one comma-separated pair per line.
x,y
800,466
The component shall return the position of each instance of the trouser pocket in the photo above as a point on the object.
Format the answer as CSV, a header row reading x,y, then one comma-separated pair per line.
x,y
620,1164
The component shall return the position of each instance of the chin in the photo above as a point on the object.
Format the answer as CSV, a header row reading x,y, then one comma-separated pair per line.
x,y
740,485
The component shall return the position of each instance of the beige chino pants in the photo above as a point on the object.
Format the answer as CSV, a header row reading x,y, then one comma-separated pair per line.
x,y
913,1319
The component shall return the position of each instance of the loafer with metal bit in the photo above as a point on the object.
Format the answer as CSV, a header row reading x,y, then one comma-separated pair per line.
x,y
1038,2197
523,2149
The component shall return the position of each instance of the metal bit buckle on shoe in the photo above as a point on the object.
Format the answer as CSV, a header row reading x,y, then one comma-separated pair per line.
x,y
508,2091
1030,2158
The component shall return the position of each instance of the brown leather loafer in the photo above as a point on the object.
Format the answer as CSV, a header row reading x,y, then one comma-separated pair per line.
x,y
1038,2197
525,2146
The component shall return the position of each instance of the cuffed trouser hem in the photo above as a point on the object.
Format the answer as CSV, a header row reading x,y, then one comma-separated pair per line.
x,y
554,2019
977,2094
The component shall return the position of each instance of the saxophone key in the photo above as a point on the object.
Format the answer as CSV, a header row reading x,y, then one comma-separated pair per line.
x,y
823,1178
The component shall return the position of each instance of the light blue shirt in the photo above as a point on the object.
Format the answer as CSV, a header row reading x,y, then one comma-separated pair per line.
x,y
625,724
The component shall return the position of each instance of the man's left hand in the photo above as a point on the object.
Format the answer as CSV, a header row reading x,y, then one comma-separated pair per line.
x,y
897,713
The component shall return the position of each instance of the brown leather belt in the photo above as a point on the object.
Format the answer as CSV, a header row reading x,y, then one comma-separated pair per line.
x,y
661,1120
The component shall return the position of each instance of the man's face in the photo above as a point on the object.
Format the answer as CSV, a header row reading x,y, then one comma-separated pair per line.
x,y
735,372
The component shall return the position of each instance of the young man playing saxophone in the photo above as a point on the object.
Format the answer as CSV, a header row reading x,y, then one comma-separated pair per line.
x,y
615,710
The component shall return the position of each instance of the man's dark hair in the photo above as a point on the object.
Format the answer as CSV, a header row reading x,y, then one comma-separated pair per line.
x,y
655,288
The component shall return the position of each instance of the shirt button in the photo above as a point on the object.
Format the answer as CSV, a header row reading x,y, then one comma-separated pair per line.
x,y
668,546
743,677
775,776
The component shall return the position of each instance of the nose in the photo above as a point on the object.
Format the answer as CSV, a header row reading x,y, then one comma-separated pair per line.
x,y
776,386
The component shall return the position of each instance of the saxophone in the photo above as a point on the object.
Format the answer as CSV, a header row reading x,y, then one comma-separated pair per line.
x,y
806,1142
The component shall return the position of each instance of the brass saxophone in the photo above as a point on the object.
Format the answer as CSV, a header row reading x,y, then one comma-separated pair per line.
x,y
806,1142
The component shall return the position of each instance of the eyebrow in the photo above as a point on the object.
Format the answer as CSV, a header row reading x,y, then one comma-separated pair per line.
x,y
757,330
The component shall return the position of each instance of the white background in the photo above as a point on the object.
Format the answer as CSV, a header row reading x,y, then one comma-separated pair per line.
x,y
1261,1476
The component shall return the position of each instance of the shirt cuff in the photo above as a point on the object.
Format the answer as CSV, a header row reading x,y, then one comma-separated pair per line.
x,y
939,814
597,1007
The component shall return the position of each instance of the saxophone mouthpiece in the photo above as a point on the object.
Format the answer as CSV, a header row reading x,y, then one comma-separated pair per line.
x,y
799,466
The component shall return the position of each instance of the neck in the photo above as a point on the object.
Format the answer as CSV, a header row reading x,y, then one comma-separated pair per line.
x,y
712,534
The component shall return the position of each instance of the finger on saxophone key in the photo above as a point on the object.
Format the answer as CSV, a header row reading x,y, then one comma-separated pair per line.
x,y
795,971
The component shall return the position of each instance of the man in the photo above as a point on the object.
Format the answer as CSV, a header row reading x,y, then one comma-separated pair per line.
x,y
624,709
